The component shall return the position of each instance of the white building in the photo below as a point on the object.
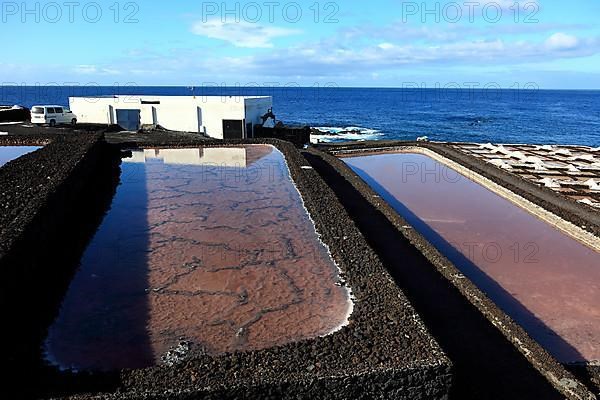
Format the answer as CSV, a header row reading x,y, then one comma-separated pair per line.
x,y
220,117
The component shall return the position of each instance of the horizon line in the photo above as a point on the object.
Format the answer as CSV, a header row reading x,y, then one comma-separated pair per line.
x,y
291,87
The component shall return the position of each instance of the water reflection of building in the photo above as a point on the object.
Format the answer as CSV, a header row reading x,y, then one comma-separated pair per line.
x,y
233,157
226,157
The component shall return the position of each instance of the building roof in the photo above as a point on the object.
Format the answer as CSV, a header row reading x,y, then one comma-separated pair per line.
x,y
161,97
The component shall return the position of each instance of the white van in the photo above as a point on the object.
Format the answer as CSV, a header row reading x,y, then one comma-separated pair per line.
x,y
52,115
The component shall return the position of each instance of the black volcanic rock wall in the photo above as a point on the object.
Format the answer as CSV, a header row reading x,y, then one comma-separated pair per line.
x,y
52,201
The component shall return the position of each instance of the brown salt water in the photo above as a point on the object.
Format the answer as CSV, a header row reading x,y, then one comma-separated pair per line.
x,y
9,153
545,280
208,246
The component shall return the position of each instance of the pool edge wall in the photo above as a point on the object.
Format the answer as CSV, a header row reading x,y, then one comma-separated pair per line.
x,y
385,352
52,201
557,374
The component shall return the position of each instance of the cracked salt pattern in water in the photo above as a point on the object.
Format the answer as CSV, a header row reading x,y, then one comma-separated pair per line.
x,y
9,153
223,256
545,280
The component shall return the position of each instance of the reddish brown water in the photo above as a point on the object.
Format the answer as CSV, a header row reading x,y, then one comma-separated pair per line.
x,y
545,280
211,246
9,153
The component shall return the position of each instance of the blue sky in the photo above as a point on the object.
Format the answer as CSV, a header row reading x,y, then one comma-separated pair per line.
x,y
377,43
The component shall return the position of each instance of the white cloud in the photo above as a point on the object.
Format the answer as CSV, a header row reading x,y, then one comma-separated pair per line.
x,y
347,58
386,46
85,69
242,34
562,41
354,53
331,58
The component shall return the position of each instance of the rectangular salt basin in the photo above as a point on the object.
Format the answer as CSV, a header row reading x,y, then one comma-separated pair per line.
x,y
9,153
545,280
210,247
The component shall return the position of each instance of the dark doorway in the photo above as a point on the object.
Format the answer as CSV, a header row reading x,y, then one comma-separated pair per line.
x,y
128,119
249,133
233,129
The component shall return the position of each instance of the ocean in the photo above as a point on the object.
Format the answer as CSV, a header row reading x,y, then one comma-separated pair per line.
x,y
497,116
